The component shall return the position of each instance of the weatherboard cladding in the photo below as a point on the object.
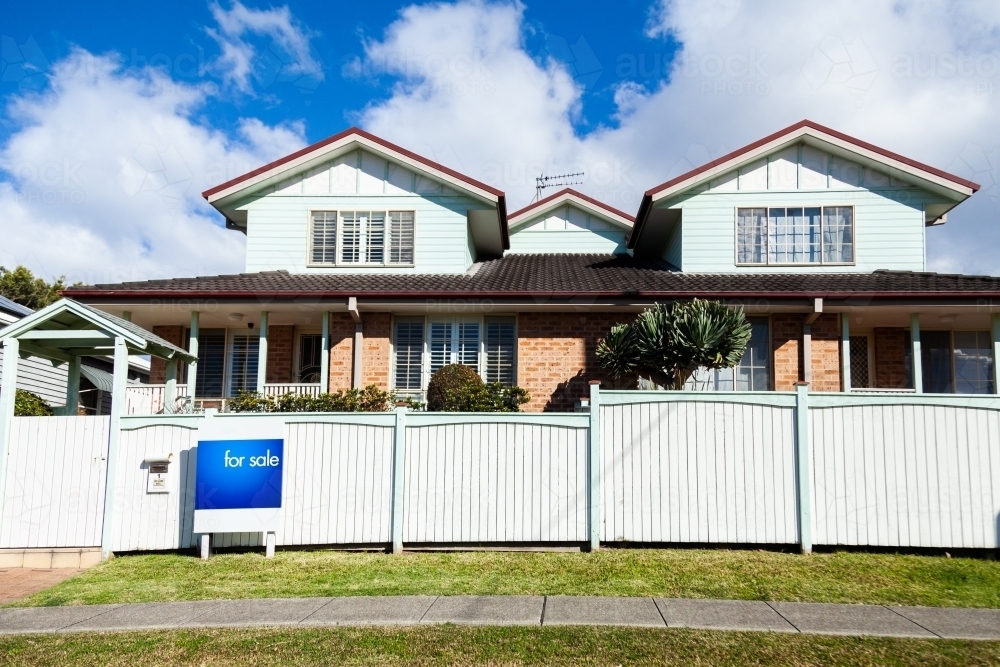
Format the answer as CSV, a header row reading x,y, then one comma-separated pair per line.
x,y
556,275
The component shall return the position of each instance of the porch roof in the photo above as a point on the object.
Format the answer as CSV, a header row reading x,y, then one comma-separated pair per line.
x,y
555,276
68,328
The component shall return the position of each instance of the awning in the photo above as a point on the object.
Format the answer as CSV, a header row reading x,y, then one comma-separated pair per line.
x,y
100,379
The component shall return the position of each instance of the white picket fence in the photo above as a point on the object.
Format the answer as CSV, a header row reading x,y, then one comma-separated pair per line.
x,y
645,467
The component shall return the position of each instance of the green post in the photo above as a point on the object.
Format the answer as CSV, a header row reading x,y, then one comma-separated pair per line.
x,y
119,383
803,455
324,356
594,466
845,354
398,468
192,378
72,387
11,354
996,353
262,354
918,362
170,390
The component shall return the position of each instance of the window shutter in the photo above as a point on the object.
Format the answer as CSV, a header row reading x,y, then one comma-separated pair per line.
x,y
324,237
499,341
401,237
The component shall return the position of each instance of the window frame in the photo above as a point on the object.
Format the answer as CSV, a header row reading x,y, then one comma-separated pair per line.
x,y
425,357
767,235
363,231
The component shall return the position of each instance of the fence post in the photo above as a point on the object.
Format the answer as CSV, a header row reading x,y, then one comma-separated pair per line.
x,y
11,355
594,466
120,382
398,454
803,455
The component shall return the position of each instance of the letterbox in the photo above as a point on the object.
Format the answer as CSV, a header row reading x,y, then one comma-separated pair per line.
x,y
158,473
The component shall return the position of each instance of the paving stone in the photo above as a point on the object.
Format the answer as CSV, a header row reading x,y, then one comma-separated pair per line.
x,y
401,610
261,612
149,615
47,619
722,615
954,623
848,619
486,610
581,610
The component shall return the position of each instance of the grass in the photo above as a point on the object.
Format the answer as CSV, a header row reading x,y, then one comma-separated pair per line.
x,y
453,645
746,575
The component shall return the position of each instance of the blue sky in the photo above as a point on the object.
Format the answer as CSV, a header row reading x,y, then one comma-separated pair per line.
x,y
600,43
112,121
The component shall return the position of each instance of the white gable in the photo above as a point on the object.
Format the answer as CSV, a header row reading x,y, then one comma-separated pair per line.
x,y
360,173
804,168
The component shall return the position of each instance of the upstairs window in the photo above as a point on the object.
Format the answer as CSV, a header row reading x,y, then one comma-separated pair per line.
x,y
795,235
373,238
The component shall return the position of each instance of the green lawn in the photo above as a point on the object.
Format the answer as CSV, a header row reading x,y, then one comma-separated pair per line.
x,y
748,575
452,645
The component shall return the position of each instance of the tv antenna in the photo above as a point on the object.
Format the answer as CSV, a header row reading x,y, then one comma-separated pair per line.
x,y
542,182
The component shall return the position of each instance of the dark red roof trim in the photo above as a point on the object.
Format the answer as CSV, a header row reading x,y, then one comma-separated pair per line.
x,y
337,137
826,130
575,193
647,198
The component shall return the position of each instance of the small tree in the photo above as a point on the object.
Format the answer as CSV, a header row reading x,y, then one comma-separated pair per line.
x,y
27,404
21,286
668,343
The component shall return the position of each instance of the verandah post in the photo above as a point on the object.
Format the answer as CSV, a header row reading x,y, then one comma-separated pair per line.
x,y
996,353
845,352
72,387
916,354
119,383
398,454
594,466
11,354
324,363
192,376
262,353
803,456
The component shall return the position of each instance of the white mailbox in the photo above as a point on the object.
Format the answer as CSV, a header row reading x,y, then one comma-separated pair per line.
x,y
158,473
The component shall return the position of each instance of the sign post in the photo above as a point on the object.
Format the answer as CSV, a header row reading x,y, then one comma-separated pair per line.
x,y
238,486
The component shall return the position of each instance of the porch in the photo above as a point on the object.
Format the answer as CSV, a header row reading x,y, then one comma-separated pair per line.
x,y
834,345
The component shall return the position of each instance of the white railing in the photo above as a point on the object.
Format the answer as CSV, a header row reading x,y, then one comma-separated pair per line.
x,y
910,470
297,388
147,399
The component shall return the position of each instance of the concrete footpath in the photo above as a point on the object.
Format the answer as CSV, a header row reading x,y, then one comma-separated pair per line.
x,y
791,617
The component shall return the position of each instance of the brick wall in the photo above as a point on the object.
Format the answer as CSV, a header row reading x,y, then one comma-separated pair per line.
x,y
826,353
786,339
376,359
158,367
280,347
556,356
341,350
890,358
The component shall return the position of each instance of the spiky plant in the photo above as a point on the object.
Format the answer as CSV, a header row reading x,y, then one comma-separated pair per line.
x,y
668,343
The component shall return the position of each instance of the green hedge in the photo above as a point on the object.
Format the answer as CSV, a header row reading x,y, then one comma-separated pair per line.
x,y
27,404
369,399
458,388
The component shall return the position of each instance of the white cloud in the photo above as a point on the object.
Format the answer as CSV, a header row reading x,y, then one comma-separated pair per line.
x,y
921,78
103,174
241,61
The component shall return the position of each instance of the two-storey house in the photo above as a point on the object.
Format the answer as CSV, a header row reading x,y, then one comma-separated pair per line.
x,y
367,263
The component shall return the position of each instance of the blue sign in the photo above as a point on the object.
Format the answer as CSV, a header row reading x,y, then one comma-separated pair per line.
x,y
239,474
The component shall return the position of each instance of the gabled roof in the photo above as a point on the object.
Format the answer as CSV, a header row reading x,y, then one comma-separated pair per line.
x,y
58,330
545,278
806,131
343,142
571,196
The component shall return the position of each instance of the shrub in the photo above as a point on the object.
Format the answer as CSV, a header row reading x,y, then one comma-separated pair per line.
x,y
369,399
450,378
27,404
493,397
